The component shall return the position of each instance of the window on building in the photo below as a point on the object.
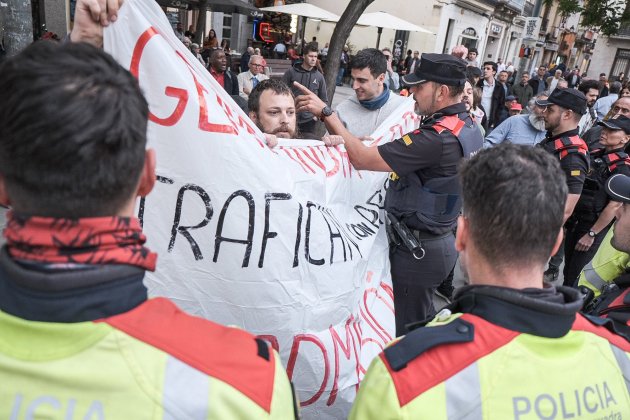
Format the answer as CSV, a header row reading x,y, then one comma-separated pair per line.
x,y
226,32
621,63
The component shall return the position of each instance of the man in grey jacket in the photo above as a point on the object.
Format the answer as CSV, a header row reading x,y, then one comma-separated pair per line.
x,y
306,74
374,102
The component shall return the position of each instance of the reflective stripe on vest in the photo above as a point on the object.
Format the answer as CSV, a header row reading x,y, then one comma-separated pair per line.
x,y
593,278
573,144
451,123
612,159
463,394
186,391
624,364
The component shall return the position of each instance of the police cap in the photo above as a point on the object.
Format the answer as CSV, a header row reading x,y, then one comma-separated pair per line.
x,y
571,99
618,188
441,68
619,123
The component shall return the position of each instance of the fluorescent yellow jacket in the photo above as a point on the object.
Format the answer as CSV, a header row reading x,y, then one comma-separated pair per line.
x,y
153,362
607,264
509,355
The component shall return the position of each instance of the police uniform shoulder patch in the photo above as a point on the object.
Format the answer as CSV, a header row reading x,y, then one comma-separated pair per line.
x,y
421,340
576,172
407,140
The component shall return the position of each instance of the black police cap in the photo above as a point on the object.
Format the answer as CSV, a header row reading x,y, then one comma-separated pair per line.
x,y
566,98
620,123
441,68
618,188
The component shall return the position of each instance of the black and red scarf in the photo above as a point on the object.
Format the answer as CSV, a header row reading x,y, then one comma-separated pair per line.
x,y
94,240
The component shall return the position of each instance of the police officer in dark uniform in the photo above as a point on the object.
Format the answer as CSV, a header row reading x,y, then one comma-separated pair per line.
x,y
563,110
423,199
595,211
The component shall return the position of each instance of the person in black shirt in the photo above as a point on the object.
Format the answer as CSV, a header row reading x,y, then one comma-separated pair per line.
x,y
424,190
563,110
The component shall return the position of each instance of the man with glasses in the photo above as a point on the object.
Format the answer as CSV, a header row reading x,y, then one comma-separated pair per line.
x,y
248,80
563,110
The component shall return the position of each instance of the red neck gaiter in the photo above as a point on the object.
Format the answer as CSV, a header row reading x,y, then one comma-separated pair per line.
x,y
94,240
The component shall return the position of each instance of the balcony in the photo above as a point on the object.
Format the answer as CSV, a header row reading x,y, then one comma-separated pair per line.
x,y
516,5
624,31
543,25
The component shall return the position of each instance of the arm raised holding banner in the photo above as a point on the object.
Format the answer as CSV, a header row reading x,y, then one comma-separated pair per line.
x,y
90,17
361,156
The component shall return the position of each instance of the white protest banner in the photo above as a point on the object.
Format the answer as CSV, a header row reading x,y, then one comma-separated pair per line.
x,y
288,244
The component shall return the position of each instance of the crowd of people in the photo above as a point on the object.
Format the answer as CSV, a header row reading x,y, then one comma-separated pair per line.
x,y
506,197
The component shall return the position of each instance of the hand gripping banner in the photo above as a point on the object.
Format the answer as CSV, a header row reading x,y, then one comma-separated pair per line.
x,y
287,243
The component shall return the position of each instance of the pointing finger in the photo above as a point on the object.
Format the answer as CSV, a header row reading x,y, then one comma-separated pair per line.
x,y
304,89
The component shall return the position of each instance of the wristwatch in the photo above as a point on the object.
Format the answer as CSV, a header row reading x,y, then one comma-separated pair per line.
x,y
326,112
591,233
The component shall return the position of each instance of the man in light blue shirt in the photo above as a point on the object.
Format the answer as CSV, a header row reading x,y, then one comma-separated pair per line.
x,y
524,129
603,105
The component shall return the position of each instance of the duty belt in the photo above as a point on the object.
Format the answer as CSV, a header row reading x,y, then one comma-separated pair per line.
x,y
427,236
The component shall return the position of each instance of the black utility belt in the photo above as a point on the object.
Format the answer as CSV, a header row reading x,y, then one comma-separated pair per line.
x,y
427,236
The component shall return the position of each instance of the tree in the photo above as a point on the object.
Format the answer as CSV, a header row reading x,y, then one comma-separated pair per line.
x,y
201,22
339,37
19,26
606,15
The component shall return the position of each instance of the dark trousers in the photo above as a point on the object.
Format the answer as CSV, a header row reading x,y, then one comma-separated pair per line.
x,y
556,260
574,261
415,280
310,129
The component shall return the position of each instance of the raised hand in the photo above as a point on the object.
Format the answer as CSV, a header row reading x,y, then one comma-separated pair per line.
x,y
90,17
308,101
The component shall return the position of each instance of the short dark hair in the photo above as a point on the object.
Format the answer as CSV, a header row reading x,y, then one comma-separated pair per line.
x,y
214,52
587,85
473,50
73,127
472,71
309,48
276,85
513,199
371,58
491,63
615,87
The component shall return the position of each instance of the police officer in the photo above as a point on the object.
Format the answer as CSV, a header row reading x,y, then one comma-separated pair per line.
x,y
509,347
563,110
423,198
594,211
79,337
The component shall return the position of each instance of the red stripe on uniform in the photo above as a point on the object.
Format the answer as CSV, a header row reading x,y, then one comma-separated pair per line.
x,y
583,324
440,363
227,354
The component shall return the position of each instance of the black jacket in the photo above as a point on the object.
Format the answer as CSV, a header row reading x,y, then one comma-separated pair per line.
x,y
312,79
498,103
231,83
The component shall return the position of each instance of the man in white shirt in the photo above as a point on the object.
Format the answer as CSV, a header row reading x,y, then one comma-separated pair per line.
x,y
248,80
590,89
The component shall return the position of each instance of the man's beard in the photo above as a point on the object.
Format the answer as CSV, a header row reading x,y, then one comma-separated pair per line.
x,y
537,122
282,131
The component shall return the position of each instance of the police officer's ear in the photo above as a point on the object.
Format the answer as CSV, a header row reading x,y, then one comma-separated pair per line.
x,y
558,243
461,238
4,197
147,176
